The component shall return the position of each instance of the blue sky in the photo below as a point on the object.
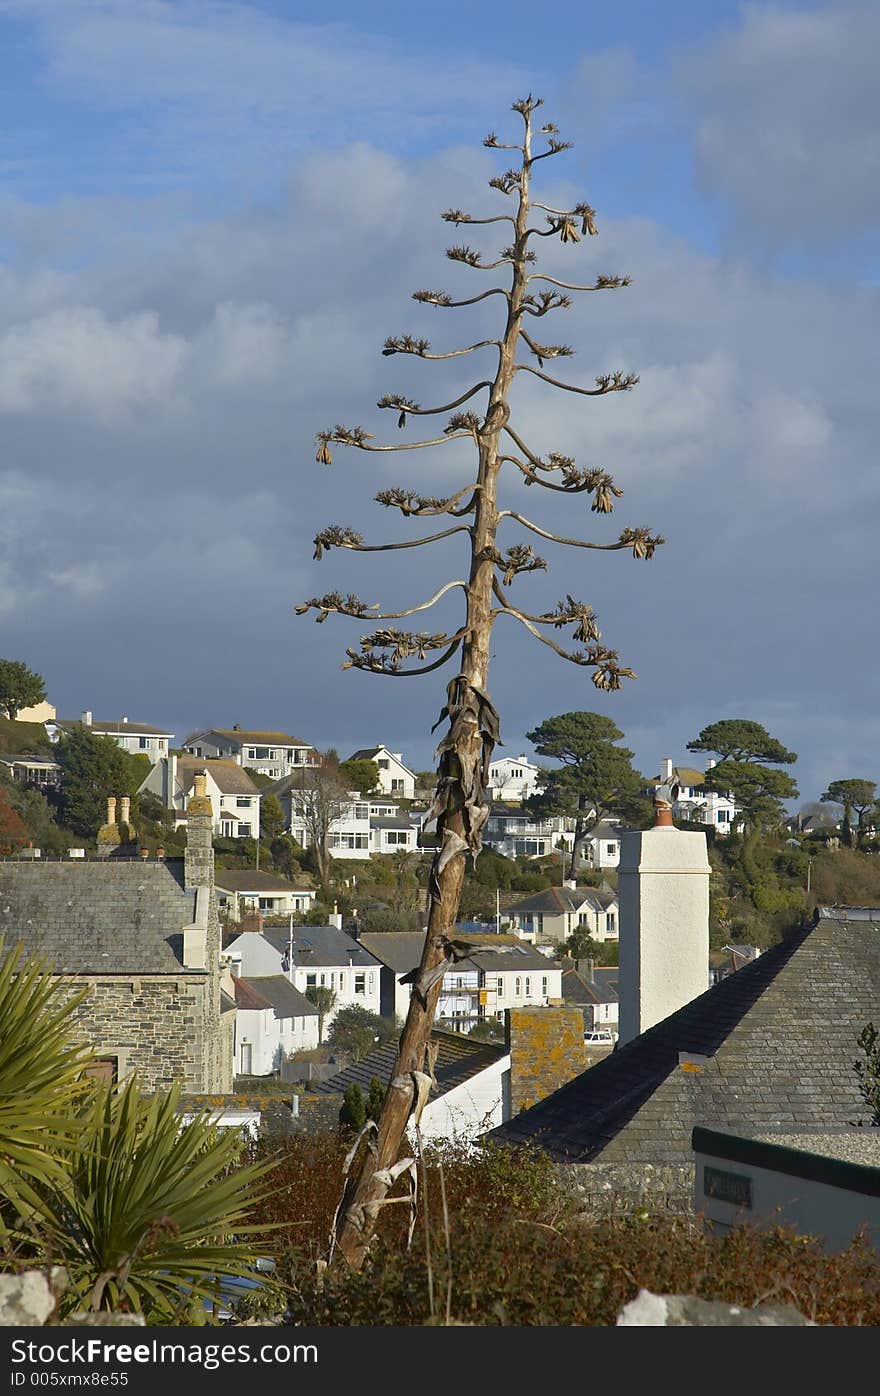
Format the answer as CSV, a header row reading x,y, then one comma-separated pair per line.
x,y
212,214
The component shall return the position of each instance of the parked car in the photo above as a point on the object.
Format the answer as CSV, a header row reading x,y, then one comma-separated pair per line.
x,y
600,1037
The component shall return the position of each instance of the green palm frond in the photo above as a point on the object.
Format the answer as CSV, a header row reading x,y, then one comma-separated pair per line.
x,y
146,1214
40,1070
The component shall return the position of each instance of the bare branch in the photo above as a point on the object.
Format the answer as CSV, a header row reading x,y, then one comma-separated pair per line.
x,y
544,301
493,142
554,148
409,502
402,645
351,605
606,383
406,406
567,612
640,540
602,283
582,211
405,344
605,662
356,436
456,216
336,537
547,351
441,298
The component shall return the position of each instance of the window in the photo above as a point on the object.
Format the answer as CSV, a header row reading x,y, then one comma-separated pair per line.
x,y
395,836
584,918
103,1069
311,981
362,811
382,764
518,987
499,987
528,987
723,816
544,985
244,831
611,921
143,743
396,785
611,849
360,983
516,772
242,802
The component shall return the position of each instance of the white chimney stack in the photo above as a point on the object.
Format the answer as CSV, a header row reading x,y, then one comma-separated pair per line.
x,y
663,890
87,718
666,769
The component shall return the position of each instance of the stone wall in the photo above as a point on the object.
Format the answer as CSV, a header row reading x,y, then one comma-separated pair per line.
x,y
153,1024
547,1050
607,1189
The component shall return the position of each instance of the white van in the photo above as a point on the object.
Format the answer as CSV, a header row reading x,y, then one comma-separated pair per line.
x,y
600,1037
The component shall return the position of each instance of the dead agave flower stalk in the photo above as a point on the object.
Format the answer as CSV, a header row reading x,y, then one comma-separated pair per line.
x,y
460,807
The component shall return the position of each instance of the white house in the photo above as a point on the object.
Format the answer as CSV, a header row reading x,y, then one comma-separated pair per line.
x,y
235,799
501,973
311,957
395,777
557,912
249,889
391,833
273,754
513,778
515,833
602,845
272,1020
694,802
137,738
472,1092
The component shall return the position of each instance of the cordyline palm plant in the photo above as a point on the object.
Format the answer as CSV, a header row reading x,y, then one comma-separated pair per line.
x,y
460,807
152,1211
40,1068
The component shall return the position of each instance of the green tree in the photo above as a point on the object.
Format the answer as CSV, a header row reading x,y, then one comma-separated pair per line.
x,y
580,945
362,776
353,1111
745,769
20,687
868,1072
858,795
375,1099
356,1030
92,767
596,778
324,1000
271,817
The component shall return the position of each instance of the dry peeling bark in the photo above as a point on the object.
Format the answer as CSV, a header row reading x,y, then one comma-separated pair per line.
x,y
460,807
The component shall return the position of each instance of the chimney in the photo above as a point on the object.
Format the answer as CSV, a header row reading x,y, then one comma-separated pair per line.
x,y
663,892
144,852
199,857
87,718
169,781
547,1050
335,919
570,883
710,763
124,809
124,719
666,768
111,809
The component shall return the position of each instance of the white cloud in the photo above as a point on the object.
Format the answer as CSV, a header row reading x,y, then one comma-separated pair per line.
x,y
787,113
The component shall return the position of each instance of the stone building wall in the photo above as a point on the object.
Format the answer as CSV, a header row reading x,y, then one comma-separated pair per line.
x,y
154,1025
546,1045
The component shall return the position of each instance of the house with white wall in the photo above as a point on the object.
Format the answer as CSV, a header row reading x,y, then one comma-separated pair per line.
x,y
502,972
516,833
137,738
557,912
602,845
273,754
272,1021
249,889
694,801
311,957
395,777
513,779
235,799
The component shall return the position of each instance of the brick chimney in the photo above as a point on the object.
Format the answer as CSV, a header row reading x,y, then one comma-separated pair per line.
x,y
109,835
125,809
663,892
547,1050
199,859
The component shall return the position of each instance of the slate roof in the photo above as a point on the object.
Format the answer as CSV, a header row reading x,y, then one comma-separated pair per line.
x,y
580,989
366,753
109,917
227,775
276,992
778,1039
253,880
561,901
458,1059
116,729
241,736
326,947
401,951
